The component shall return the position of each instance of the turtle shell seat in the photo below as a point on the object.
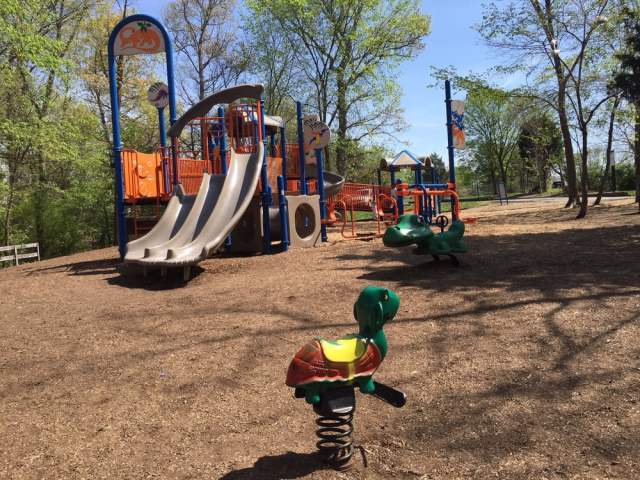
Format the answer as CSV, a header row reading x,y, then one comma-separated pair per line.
x,y
340,360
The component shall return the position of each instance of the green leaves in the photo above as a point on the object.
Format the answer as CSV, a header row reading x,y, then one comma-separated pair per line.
x,y
21,41
345,53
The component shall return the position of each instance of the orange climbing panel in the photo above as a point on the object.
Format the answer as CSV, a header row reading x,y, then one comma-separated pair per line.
x,y
142,175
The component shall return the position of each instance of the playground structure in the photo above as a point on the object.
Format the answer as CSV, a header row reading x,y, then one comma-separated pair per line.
x,y
325,373
387,203
228,178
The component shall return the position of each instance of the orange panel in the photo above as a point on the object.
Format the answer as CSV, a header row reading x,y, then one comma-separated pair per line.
x,y
142,175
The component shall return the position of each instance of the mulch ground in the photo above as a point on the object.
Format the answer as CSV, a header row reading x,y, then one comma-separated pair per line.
x,y
524,362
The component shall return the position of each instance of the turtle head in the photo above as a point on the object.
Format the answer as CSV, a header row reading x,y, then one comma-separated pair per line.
x,y
375,307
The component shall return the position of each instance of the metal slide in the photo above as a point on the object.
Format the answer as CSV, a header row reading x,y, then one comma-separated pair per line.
x,y
333,182
191,228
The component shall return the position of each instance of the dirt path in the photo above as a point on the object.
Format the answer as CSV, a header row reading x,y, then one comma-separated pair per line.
x,y
522,363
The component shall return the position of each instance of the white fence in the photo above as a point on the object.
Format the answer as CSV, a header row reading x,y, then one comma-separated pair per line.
x,y
16,255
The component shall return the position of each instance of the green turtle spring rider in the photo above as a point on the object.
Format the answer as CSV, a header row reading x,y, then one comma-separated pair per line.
x,y
412,229
326,372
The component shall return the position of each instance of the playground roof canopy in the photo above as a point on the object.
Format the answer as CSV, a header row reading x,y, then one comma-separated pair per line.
x,y
404,159
273,121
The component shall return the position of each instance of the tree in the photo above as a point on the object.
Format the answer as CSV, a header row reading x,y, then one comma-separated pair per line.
x,y
560,32
491,120
207,45
540,142
347,51
440,170
627,78
613,110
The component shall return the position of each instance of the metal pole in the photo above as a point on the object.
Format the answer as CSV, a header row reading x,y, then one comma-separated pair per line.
x,y
172,102
284,221
163,131
163,143
283,155
272,144
266,190
452,168
323,202
303,175
117,147
222,142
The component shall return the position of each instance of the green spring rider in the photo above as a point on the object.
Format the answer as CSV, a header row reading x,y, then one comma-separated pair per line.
x,y
325,373
411,229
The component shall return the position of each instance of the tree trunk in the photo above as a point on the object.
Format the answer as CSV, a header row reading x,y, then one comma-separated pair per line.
x,y
572,190
636,152
607,167
584,178
492,174
341,144
6,224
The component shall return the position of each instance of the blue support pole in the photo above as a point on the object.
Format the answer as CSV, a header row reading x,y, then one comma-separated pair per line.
x,y
272,144
266,190
284,221
283,154
163,143
222,143
323,202
452,168
117,154
303,175
163,130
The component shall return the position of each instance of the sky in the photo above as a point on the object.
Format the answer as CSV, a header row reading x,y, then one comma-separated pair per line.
x,y
452,42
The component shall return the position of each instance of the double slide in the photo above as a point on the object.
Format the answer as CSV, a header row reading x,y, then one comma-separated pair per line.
x,y
191,228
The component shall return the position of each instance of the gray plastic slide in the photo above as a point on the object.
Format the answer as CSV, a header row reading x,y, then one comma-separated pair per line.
x,y
191,228
332,181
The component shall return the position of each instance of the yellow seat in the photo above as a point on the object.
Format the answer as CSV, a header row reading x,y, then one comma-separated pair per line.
x,y
344,350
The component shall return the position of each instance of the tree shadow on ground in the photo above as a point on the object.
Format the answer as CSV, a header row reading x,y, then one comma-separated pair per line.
x,y
290,465
603,258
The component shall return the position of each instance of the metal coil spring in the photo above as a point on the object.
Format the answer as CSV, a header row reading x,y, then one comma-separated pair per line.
x,y
335,443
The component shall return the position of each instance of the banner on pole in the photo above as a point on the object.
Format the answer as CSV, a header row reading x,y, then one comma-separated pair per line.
x,y
457,124
316,133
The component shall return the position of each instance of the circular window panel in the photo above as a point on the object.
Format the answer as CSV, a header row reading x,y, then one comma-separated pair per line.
x,y
305,220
